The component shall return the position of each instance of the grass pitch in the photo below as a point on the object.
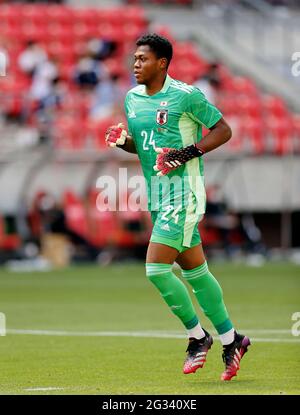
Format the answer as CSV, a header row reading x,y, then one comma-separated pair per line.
x,y
92,330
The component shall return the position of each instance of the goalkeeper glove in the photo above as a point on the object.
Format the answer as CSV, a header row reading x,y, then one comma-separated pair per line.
x,y
116,135
169,159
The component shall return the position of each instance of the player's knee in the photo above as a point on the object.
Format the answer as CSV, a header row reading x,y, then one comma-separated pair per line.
x,y
158,274
202,281
207,282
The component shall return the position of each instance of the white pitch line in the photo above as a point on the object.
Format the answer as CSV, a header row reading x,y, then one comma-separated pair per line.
x,y
265,331
42,389
273,340
169,335
149,334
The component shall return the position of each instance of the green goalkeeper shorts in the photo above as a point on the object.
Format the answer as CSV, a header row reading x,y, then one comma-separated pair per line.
x,y
177,228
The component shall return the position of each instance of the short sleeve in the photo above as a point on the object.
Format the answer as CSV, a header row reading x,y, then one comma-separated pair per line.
x,y
200,110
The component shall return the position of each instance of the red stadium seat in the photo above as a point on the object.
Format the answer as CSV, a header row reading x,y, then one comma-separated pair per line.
x,y
114,67
97,130
227,103
12,14
29,31
61,52
87,16
130,32
93,135
14,34
70,105
296,131
59,14
296,124
250,106
252,131
274,106
84,32
235,144
135,15
226,79
34,14
245,86
69,134
59,33
165,31
281,131
13,95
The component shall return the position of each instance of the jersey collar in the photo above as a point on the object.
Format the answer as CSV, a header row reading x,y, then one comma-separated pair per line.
x,y
164,89
166,84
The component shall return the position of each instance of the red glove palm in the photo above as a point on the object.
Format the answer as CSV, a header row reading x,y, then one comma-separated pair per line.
x,y
163,165
116,135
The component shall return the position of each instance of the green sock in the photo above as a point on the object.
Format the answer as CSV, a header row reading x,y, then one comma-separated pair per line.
x,y
209,295
174,292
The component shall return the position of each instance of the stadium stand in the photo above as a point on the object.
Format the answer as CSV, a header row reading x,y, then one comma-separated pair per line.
x,y
63,33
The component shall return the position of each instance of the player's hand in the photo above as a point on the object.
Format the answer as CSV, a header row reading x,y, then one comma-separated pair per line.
x,y
169,159
116,135
166,160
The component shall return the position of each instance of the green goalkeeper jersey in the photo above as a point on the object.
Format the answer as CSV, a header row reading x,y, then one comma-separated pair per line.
x,y
173,117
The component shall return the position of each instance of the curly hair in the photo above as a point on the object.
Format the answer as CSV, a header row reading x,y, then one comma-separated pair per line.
x,y
158,44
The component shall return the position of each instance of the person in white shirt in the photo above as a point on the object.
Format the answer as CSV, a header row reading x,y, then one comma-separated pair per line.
x,y
31,57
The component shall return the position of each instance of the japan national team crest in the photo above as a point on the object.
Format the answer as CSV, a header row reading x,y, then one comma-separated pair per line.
x,y
161,117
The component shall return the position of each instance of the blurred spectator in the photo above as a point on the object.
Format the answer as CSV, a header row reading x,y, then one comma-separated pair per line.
x,y
4,50
88,72
42,82
101,49
32,57
107,96
213,73
56,95
46,109
207,87
210,83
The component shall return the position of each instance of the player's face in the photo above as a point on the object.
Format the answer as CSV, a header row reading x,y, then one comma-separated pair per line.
x,y
146,65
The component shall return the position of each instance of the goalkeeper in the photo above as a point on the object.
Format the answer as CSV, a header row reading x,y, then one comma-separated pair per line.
x,y
165,119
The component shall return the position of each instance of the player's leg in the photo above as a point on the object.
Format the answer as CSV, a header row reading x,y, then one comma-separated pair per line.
x,y
207,290
159,261
210,297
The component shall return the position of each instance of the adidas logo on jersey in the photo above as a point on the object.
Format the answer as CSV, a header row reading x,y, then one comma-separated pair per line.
x,y
165,227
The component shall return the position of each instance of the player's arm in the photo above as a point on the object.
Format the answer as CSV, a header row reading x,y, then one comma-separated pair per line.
x,y
218,135
117,136
170,159
204,113
129,145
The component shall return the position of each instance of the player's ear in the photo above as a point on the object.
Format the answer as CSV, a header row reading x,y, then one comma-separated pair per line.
x,y
163,63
